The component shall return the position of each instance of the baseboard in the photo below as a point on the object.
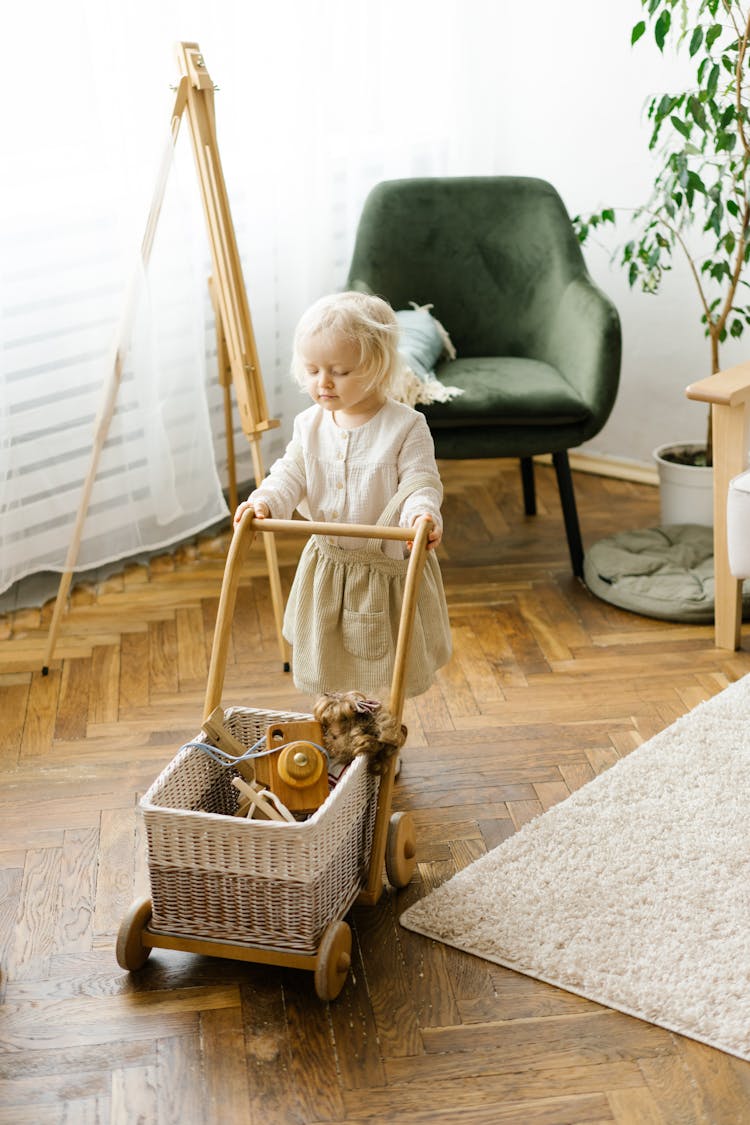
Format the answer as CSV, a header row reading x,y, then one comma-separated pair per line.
x,y
603,466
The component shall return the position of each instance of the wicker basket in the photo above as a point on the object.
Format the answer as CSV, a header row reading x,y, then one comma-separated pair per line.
x,y
261,883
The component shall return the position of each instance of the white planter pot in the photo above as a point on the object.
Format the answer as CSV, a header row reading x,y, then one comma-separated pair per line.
x,y
686,491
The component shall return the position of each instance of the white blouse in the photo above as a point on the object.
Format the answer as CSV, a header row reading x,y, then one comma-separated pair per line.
x,y
334,475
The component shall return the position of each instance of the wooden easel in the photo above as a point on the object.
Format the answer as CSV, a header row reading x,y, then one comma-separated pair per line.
x,y
237,355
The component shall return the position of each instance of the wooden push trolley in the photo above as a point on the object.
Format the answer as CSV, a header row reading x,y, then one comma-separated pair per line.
x,y
264,891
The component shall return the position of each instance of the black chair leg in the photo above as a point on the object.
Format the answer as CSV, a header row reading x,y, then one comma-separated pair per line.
x,y
570,514
527,481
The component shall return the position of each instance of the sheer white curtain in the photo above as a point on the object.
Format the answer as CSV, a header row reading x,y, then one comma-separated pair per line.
x,y
316,103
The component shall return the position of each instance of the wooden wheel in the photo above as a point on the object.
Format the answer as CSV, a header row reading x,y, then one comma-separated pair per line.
x,y
400,849
130,951
334,960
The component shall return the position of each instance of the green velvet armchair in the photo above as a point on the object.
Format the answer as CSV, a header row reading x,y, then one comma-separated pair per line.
x,y
538,345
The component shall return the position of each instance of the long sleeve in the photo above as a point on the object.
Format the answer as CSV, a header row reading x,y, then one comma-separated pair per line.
x,y
416,457
286,484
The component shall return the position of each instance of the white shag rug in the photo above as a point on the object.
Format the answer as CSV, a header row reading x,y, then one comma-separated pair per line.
x,y
634,891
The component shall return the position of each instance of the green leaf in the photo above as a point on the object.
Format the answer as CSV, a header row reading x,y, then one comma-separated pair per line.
x,y
661,28
737,328
732,208
637,32
682,127
665,106
714,220
699,114
632,274
696,182
608,215
695,40
713,80
712,35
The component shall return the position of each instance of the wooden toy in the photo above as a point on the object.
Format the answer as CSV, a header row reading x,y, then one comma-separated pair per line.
x,y
298,772
218,735
260,804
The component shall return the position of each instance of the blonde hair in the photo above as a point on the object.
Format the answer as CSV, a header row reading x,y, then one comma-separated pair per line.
x,y
353,724
363,319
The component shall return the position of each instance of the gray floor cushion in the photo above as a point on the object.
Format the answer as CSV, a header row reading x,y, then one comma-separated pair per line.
x,y
665,572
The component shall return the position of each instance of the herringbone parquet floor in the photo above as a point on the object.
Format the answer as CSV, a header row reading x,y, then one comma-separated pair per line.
x,y
547,687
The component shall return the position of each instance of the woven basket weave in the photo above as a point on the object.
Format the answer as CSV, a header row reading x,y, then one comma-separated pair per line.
x,y
260,883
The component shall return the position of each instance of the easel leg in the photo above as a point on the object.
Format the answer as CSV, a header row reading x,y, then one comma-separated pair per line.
x,y
274,579
225,381
231,462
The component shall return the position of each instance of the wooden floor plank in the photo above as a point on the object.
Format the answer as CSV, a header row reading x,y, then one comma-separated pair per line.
x,y
41,713
133,1094
115,880
36,917
134,671
15,702
354,1030
180,1089
77,890
492,1091
73,701
105,677
223,1057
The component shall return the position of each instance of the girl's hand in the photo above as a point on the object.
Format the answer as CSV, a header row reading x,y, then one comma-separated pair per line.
x,y
260,511
433,539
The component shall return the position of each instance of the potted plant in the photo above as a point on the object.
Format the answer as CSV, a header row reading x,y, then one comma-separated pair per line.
x,y
699,205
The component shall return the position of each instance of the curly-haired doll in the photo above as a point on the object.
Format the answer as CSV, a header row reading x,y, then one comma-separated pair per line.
x,y
353,724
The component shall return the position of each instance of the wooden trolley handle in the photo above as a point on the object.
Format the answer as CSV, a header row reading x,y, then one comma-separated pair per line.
x,y
244,533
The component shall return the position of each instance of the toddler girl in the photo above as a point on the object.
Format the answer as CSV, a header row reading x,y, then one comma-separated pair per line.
x,y
356,456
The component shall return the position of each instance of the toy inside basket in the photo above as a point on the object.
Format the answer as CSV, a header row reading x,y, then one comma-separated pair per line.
x,y
263,883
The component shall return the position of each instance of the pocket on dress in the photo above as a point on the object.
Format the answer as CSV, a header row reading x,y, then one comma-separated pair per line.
x,y
366,635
